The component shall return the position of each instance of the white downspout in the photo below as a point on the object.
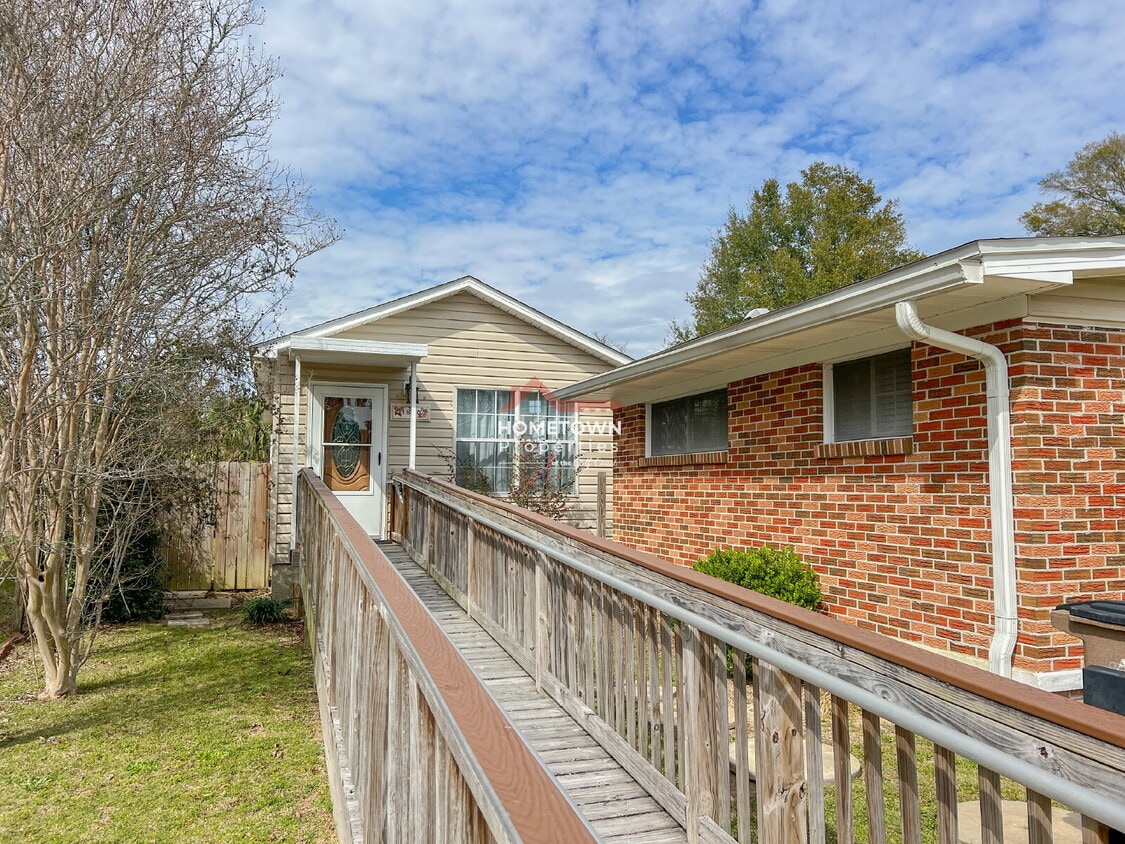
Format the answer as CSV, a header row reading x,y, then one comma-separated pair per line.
x,y
999,476
413,414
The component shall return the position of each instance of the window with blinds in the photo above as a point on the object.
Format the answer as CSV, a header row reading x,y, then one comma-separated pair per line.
x,y
871,397
691,425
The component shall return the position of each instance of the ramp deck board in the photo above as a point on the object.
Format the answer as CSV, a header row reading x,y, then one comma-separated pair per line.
x,y
616,806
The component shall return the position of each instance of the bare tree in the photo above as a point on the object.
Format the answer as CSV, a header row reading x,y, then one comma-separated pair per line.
x,y
144,234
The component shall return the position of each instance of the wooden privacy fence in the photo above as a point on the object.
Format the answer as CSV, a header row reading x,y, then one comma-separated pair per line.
x,y
417,749
233,553
725,703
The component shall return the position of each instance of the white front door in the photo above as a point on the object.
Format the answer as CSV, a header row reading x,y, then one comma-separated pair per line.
x,y
348,446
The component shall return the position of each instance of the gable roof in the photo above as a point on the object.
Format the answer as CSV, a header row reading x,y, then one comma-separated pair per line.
x,y
465,284
973,284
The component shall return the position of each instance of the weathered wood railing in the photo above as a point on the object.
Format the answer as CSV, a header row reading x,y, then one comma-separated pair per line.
x,y
637,650
417,749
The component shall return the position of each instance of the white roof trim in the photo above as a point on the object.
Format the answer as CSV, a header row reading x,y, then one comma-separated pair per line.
x,y
481,291
372,352
1042,262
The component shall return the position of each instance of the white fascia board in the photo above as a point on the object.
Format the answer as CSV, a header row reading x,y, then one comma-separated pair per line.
x,y
326,348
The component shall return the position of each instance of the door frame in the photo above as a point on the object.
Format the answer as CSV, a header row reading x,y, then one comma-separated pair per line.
x,y
380,414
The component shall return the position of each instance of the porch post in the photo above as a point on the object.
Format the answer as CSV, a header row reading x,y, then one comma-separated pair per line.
x,y
296,440
413,412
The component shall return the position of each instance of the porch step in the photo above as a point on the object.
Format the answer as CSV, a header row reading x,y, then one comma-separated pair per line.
x,y
1066,827
192,618
194,600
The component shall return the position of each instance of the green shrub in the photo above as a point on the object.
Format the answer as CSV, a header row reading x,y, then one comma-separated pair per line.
x,y
263,610
777,573
138,593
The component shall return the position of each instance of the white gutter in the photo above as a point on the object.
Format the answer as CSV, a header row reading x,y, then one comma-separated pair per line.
x,y
999,475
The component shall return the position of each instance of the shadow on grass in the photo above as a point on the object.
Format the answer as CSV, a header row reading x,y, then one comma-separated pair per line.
x,y
212,669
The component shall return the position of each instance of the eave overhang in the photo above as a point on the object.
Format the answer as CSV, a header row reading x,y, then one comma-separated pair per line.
x,y
979,282
371,353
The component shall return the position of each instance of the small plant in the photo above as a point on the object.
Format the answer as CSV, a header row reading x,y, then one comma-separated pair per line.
x,y
540,479
263,609
777,573
465,471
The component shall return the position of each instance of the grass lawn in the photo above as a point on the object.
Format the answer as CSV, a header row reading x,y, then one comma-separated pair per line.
x,y
200,735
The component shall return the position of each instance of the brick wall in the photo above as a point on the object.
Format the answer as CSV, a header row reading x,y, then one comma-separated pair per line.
x,y
900,530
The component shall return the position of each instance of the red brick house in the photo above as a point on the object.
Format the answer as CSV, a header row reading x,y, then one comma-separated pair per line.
x,y
945,443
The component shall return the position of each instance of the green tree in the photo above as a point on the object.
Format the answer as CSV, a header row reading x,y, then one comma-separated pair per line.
x,y
830,229
1090,191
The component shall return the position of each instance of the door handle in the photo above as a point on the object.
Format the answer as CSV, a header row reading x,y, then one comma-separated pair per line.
x,y
380,463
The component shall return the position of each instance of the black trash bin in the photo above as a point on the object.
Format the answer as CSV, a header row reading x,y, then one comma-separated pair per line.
x,y
1101,627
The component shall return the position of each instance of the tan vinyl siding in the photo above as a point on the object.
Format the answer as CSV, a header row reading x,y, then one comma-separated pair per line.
x,y
471,343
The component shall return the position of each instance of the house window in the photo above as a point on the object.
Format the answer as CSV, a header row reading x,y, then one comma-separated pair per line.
x,y
494,426
691,425
871,398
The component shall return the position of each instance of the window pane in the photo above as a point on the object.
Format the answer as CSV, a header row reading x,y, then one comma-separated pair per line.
x,y
690,425
872,397
487,461
894,407
669,428
346,420
851,390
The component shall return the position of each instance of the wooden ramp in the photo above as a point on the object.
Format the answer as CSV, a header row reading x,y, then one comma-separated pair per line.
x,y
617,807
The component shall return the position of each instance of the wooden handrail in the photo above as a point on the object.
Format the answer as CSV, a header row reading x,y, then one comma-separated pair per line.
x,y
477,730
1073,715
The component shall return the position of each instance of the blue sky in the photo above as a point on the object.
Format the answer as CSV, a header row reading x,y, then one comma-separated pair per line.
x,y
580,155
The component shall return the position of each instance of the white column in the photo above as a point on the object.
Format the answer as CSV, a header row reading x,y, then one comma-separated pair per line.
x,y
413,413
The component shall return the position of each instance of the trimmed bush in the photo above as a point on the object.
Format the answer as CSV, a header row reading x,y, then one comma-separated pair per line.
x,y
777,573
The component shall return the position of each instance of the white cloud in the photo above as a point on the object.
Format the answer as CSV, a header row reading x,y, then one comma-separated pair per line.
x,y
580,155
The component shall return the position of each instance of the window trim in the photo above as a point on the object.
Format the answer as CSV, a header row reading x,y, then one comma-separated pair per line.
x,y
656,458
828,393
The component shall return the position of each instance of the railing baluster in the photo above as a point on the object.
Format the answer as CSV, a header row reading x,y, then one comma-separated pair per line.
x,y
542,620
907,758
668,721
629,670
945,786
991,811
742,774
842,755
652,649
873,778
1094,832
814,763
1039,819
